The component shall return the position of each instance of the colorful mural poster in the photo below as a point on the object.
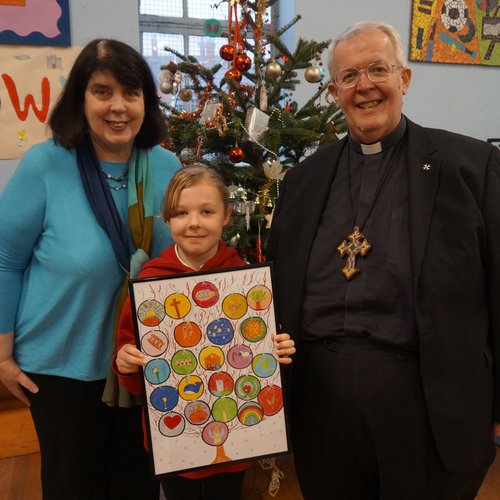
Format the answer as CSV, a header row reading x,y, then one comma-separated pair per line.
x,y
35,22
31,79
212,382
456,31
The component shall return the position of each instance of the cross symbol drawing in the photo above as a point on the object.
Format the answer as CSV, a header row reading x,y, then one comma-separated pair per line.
x,y
355,244
175,303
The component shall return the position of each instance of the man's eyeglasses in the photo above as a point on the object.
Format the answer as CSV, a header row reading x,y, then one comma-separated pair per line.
x,y
376,72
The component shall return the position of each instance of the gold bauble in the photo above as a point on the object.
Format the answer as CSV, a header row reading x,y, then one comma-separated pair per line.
x,y
185,94
312,74
273,70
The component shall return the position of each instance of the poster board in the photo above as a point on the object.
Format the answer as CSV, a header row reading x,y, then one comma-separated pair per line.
x,y
212,383
31,80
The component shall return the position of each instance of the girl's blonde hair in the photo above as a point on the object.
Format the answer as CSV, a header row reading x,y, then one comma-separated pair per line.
x,y
187,177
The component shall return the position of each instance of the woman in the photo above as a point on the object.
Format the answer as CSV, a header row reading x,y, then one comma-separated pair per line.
x,y
77,219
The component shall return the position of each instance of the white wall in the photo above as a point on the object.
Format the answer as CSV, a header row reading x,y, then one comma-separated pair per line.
x,y
91,19
464,99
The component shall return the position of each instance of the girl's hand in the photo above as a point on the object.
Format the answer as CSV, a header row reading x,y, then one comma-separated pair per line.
x,y
129,358
285,347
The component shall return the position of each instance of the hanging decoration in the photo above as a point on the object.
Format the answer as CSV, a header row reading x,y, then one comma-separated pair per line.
x,y
170,78
313,74
236,154
234,49
212,28
273,70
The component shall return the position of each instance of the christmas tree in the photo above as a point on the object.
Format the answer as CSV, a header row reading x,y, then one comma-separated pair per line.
x,y
246,124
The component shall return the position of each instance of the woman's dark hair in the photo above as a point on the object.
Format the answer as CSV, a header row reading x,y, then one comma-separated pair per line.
x,y
67,120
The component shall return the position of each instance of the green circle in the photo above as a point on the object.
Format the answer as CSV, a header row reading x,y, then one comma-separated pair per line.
x,y
224,410
183,362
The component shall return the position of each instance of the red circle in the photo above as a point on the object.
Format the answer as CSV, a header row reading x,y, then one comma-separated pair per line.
x,y
205,294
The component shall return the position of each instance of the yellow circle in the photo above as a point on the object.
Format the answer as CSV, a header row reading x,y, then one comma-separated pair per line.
x,y
177,305
234,305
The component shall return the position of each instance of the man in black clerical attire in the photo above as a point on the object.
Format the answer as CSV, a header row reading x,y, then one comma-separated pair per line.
x,y
386,247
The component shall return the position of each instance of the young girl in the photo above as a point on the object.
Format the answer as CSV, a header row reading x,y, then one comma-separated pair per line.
x,y
196,208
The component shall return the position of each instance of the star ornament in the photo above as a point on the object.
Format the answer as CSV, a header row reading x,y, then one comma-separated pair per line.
x,y
426,167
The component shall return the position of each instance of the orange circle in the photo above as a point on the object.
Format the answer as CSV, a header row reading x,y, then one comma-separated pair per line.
x,y
187,334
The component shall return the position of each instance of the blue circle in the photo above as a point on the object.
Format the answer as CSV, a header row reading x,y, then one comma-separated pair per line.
x,y
220,331
157,371
164,398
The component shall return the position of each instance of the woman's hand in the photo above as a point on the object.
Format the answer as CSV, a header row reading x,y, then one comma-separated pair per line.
x,y
285,347
129,358
11,376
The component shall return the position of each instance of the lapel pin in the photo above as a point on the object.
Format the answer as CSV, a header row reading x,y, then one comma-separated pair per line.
x,y
426,167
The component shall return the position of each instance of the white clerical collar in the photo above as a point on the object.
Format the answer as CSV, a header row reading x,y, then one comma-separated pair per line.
x,y
371,149
385,143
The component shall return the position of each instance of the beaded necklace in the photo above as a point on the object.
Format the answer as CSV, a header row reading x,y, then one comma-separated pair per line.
x,y
122,179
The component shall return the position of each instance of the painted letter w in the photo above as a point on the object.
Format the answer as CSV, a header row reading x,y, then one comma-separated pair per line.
x,y
22,114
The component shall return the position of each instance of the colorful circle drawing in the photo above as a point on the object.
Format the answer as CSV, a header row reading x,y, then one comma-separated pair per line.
x,y
259,297
247,387
197,412
205,294
253,329
211,358
164,398
154,343
221,384
157,371
235,306
183,362
191,388
220,331
239,356
250,414
224,409
151,313
215,433
177,305
271,399
172,424
187,334
264,365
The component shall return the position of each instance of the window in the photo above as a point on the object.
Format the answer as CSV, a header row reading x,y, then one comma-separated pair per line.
x,y
179,24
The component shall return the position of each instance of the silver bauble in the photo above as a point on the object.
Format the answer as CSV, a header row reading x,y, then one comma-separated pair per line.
x,y
166,87
273,70
165,75
312,74
185,94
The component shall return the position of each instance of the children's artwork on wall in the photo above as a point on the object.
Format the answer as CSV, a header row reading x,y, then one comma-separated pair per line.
x,y
35,22
456,31
212,382
31,79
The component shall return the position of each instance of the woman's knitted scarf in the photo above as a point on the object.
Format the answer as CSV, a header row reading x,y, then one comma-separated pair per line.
x,y
140,227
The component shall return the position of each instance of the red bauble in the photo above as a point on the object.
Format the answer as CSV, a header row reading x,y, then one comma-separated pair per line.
x,y
236,155
242,62
227,52
233,73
